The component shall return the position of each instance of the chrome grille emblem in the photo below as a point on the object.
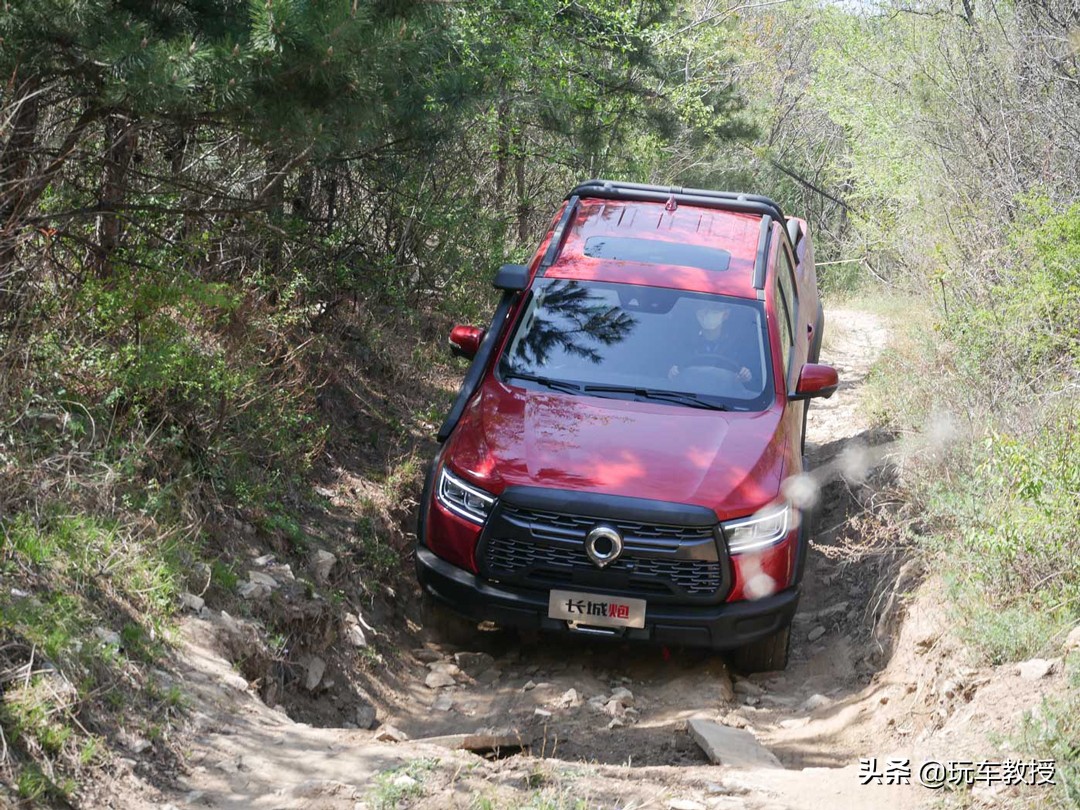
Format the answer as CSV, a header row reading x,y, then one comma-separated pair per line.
x,y
603,545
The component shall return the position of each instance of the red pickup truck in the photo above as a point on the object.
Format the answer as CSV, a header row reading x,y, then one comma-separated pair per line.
x,y
614,462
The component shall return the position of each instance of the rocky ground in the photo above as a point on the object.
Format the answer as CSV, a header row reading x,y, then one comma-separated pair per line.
x,y
551,720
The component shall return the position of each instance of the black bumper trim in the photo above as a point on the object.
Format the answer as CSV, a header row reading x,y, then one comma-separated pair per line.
x,y
719,627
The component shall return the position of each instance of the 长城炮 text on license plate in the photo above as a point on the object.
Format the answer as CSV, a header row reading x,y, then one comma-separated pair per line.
x,y
596,609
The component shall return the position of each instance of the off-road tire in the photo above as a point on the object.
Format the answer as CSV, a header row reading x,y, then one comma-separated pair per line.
x,y
445,625
764,655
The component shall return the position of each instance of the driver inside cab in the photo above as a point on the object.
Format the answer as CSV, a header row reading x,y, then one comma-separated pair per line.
x,y
712,346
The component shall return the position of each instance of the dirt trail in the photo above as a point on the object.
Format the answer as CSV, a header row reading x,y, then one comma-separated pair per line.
x,y
840,699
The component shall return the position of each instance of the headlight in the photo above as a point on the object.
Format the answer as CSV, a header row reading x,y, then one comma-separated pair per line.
x,y
463,499
768,527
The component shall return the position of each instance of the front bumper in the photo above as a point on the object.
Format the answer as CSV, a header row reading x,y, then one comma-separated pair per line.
x,y
719,627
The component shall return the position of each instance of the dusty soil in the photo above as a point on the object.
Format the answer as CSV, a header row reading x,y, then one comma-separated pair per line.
x,y
878,679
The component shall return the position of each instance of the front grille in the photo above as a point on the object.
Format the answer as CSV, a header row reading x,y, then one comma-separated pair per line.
x,y
551,566
556,524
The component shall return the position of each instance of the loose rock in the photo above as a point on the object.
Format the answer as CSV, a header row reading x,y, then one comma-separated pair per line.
x,y
315,669
730,746
439,678
365,716
1072,641
816,633
192,602
321,563
259,578
473,663
391,734
443,703
1035,669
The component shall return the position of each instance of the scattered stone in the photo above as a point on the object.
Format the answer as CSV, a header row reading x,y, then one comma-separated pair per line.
x,y
1035,669
528,687
684,804
19,593
263,561
443,703
234,680
137,745
743,687
107,636
282,573
354,633
616,722
542,713
794,722
832,610
317,788
324,492
321,564
252,590
193,796
315,669
391,734
751,700
488,676
569,699
735,720
192,602
532,669
730,746
623,695
615,708
473,663
1072,641
438,678
365,716
260,578
427,655
816,633
404,781
453,670
813,703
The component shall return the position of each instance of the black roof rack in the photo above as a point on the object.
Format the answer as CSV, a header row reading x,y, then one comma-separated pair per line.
x,y
723,200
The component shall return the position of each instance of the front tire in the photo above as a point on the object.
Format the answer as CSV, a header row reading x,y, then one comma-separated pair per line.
x,y
764,655
445,625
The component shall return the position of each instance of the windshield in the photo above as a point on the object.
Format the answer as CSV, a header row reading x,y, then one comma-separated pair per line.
x,y
630,341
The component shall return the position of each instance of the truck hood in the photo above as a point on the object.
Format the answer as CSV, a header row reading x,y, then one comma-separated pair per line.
x,y
731,462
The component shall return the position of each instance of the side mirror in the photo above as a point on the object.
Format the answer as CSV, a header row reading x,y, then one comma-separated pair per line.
x,y
512,278
816,381
465,341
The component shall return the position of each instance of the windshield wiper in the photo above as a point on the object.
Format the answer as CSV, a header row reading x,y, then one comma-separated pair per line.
x,y
557,385
677,397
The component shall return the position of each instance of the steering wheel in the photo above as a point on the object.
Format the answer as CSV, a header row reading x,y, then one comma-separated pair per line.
x,y
713,361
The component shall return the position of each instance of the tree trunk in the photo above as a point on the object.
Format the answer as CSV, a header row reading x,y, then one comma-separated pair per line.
x,y
519,177
16,167
121,139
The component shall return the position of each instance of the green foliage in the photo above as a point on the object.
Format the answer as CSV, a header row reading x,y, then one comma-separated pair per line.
x,y
400,784
1053,732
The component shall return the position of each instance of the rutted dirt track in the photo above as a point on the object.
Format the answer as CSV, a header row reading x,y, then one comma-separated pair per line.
x,y
845,695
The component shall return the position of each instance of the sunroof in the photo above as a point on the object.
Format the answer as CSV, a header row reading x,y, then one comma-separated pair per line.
x,y
655,251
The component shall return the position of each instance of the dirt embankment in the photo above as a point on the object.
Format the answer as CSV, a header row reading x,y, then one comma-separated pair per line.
x,y
608,723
